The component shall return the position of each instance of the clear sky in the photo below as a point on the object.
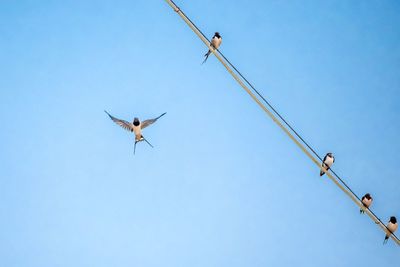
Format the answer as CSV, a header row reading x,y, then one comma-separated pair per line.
x,y
223,185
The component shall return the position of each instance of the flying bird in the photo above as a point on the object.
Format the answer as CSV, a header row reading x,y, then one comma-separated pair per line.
x,y
327,162
391,228
215,43
136,127
366,200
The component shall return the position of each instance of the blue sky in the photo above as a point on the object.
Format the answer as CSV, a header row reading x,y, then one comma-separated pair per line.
x,y
223,185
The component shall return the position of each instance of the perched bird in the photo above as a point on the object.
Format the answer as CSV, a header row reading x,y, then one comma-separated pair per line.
x,y
391,228
366,200
136,127
215,43
327,162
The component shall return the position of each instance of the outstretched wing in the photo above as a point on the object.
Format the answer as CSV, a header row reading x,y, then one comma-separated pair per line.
x,y
124,124
146,123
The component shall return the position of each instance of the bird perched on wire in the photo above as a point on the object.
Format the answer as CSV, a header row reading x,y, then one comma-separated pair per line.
x,y
327,162
391,228
215,43
136,127
366,200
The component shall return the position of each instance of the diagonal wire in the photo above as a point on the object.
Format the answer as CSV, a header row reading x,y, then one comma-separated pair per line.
x,y
268,104
349,192
275,111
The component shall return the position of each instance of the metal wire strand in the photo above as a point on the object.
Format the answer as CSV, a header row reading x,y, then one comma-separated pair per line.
x,y
350,192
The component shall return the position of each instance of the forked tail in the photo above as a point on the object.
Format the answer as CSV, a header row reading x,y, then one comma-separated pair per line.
x,y
148,142
206,55
386,239
141,139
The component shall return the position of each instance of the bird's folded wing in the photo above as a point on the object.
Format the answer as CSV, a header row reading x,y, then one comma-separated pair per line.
x,y
148,122
124,124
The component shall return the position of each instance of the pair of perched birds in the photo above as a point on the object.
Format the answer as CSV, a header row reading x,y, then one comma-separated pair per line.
x,y
327,163
392,225
366,200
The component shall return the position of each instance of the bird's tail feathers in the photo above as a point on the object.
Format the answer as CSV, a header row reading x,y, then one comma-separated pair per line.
x,y
140,140
206,55
386,239
144,139
134,147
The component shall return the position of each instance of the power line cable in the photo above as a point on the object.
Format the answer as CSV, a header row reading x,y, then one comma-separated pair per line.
x,y
270,105
219,55
274,110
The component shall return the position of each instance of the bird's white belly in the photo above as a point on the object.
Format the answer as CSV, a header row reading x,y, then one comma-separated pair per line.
x,y
329,161
367,202
138,132
216,42
392,227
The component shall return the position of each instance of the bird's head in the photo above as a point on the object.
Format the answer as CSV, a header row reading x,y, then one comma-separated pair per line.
x,y
393,220
136,122
330,155
217,35
368,196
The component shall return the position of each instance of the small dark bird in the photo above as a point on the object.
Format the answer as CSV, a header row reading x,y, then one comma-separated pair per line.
x,y
136,127
391,228
215,43
366,200
327,162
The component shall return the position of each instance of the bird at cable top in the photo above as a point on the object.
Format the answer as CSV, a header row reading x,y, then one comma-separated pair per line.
x,y
391,228
366,200
136,127
327,162
215,43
